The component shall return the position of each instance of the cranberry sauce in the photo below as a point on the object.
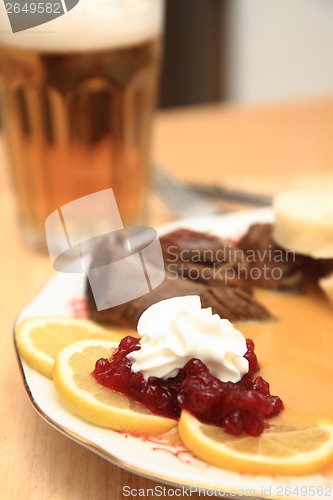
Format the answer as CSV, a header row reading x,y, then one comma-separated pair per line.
x,y
238,407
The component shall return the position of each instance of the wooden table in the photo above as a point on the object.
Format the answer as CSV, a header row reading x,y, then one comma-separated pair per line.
x,y
254,148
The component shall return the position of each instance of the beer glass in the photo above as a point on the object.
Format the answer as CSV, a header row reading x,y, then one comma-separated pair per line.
x,y
78,94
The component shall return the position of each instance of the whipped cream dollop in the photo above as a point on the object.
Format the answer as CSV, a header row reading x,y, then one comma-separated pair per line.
x,y
176,330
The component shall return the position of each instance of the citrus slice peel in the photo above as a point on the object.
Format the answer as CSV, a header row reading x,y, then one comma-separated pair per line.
x,y
280,450
73,380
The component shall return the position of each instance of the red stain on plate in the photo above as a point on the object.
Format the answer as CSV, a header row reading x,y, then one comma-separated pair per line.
x,y
78,308
170,447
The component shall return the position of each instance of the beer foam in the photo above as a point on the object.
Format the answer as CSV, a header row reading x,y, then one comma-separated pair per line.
x,y
90,25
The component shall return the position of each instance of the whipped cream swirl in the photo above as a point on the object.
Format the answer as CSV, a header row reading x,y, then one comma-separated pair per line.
x,y
176,330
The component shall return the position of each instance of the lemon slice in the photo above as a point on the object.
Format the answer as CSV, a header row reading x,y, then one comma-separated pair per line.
x,y
102,406
39,339
280,450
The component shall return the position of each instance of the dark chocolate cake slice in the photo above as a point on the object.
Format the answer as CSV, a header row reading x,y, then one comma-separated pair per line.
x,y
218,279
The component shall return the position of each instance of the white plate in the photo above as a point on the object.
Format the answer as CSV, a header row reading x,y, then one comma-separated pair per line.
x,y
157,459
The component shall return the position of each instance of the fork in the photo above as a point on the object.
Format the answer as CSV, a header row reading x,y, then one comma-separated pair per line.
x,y
180,197
189,200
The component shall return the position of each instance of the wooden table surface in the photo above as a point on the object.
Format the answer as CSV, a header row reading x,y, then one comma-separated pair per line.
x,y
253,148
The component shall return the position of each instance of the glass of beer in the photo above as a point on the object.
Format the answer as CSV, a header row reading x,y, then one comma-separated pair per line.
x,y
78,94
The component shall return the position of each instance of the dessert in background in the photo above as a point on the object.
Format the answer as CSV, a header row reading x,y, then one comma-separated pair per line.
x,y
304,224
296,271
292,254
196,264
267,256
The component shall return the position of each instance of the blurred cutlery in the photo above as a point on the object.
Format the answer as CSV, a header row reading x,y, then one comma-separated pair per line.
x,y
189,199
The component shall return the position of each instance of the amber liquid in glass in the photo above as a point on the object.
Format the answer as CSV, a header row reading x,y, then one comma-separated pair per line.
x,y
77,123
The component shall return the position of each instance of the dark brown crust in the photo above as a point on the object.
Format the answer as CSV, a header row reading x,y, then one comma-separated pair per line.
x,y
296,271
204,258
200,245
217,270
128,314
278,268
234,304
220,282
